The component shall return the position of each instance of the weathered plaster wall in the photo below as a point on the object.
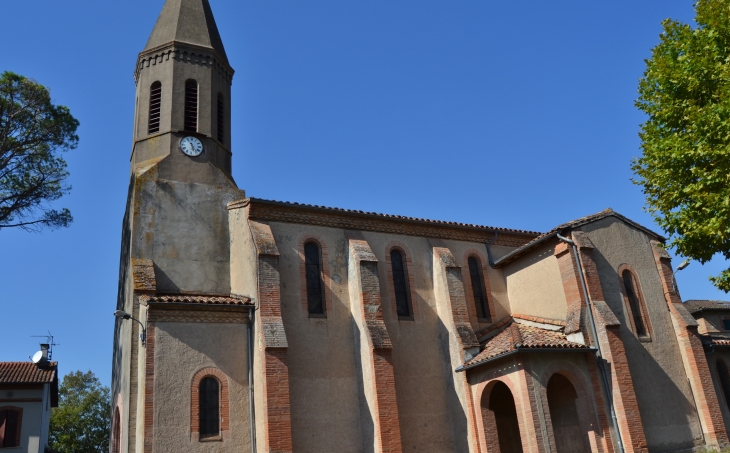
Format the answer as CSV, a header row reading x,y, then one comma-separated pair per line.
x,y
34,416
181,349
662,390
535,286
244,261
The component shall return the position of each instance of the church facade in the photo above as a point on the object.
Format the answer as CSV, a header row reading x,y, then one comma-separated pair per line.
x,y
278,327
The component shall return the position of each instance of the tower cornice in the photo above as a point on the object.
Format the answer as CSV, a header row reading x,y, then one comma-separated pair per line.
x,y
184,52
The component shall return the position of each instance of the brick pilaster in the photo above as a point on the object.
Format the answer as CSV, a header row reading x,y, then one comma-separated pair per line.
x,y
149,389
625,404
693,355
572,287
272,338
377,356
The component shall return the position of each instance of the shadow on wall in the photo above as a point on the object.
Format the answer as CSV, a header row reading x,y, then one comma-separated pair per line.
x,y
666,412
459,423
367,424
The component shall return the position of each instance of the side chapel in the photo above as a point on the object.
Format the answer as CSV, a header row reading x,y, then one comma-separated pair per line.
x,y
274,327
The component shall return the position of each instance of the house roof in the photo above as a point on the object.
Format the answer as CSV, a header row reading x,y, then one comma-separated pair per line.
x,y
516,336
27,373
696,306
508,258
197,299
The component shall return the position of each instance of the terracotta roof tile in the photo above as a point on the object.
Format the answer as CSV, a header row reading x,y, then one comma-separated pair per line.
x,y
695,306
519,336
197,299
554,322
27,373
508,258
240,203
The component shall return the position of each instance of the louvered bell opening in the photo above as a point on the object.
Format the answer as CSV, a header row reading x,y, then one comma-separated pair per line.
x,y
221,118
191,106
155,102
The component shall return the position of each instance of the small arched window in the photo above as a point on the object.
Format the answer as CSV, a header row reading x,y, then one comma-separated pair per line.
x,y
477,289
191,105
116,432
315,286
11,419
221,118
400,284
155,105
209,408
635,302
724,377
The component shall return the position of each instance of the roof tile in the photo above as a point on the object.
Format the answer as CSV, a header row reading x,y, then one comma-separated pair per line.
x,y
27,373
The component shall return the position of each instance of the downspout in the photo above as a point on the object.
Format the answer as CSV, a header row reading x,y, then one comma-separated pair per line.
x,y
594,334
252,416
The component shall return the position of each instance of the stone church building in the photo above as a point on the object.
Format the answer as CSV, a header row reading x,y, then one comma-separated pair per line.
x,y
277,327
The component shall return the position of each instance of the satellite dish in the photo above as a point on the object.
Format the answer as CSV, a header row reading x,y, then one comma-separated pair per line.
x,y
38,357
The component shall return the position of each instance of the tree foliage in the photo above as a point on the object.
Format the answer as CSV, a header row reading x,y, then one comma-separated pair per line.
x,y
33,134
80,423
685,167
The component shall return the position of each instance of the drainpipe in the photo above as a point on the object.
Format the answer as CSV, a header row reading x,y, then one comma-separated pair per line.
x,y
594,334
252,417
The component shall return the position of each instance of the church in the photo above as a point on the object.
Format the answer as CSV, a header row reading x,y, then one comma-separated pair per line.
x,y
251,325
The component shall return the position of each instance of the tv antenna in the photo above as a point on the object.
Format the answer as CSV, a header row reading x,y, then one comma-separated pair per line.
x,y
46,352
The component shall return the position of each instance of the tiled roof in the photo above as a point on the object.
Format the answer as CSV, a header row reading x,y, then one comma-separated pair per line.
x,y
695,306
516,336
197,299
573,224
27,373
385,216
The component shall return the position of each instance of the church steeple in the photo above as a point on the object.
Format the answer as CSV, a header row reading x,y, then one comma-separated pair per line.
x,y
183,92
188,21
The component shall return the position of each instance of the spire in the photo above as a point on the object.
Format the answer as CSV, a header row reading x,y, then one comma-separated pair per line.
x,y
189,21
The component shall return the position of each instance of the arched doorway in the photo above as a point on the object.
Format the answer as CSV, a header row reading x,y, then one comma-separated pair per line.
x,y
500,415
570,437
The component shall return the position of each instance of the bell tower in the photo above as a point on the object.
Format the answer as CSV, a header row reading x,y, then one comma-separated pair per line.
x,y
183,81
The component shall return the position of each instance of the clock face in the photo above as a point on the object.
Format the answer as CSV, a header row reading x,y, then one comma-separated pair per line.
x,y
191,146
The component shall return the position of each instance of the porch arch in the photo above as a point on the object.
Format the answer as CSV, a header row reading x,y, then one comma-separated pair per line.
x,y
500,419
570,433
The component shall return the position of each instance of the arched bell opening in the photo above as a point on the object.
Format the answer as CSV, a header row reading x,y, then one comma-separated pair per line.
x,y
499,415
570,435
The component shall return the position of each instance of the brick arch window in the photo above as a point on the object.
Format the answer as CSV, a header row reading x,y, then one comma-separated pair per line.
x,y
11,420
478,289
116,432
635,304
191,105
153,125
401,287
221,118
209,405
313,278
724,377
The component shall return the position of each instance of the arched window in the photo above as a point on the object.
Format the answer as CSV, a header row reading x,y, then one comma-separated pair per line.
x,y
477,289
116,432
400,284
724,377
313,274
634,302
11,419
221,118
155,103
209,408
191,106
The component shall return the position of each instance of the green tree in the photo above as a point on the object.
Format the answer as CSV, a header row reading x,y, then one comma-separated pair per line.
x,y
80,423
33,134
685,167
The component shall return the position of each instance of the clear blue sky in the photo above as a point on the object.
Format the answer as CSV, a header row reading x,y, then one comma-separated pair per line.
x,y
512,114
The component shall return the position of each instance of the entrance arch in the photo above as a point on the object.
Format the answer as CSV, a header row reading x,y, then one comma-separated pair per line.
x,y
570,436
499,416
